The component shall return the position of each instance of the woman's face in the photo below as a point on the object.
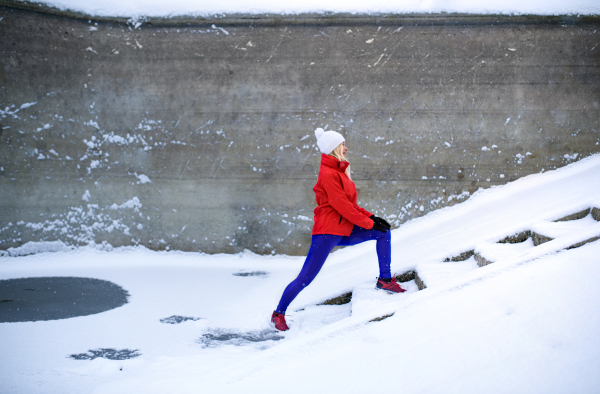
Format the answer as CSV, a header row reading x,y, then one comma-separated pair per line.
x,y
344,149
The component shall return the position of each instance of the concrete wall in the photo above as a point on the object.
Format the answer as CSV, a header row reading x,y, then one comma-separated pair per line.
x,y
192,137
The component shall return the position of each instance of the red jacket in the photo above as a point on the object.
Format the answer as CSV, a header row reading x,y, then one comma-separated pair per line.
x,y
336,212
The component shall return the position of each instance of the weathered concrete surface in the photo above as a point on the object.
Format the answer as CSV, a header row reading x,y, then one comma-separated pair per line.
x,y
199,138
575,216
587,241
516,238
539,239
461,257
482,261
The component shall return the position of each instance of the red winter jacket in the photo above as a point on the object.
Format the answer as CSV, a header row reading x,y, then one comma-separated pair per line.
x,y
337,212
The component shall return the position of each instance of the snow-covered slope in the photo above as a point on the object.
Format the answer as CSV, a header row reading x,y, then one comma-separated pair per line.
x,y
526,323
157,8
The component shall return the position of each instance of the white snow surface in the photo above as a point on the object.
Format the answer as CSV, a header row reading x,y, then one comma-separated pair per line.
x,y
528,323
158,8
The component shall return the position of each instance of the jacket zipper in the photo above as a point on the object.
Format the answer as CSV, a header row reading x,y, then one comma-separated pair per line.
x,y
340,220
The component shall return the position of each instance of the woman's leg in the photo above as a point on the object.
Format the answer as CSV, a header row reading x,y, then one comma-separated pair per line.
x,y
320,247
383,247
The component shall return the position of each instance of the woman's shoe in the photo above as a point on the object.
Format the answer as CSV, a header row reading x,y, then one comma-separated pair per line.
x,y
278,320
390,286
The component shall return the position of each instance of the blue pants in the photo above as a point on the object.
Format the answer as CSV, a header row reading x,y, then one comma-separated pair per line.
x,y
320,247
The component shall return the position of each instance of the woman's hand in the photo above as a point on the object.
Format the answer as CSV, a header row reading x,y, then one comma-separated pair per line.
x,y
380,222
379,227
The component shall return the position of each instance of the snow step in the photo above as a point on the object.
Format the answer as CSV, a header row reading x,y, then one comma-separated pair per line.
x,y
402,278
461,257
516,238
569,236
490,252
339,300
482,261
539,239
574,216
543,232
411,275
380,318
587,241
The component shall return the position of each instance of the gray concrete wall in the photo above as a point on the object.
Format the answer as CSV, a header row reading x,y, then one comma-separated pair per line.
x,y
190,137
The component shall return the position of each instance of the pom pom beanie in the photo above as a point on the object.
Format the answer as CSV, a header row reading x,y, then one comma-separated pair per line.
x,y
327,141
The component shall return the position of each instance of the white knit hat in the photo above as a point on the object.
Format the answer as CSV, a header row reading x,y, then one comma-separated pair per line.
x,y
328,140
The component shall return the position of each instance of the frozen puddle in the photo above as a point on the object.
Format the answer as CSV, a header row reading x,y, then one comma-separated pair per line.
x,y
54,298
220,337
178,319
110,354
253,273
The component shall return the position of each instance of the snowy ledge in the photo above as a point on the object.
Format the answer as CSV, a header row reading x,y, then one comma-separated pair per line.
x,y
185,12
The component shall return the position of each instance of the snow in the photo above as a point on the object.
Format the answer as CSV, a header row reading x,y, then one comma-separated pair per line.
x,y
133,203
157,8
143,178
27,105
493,251
558,229
36,247
528,322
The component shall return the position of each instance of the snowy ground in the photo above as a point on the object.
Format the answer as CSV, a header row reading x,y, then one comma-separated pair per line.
x,y
159,8
528,323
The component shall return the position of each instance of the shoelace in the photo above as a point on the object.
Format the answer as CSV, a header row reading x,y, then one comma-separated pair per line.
x,y
392,279
392,284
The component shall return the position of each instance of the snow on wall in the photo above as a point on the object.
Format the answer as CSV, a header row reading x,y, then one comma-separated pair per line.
x,y
157,8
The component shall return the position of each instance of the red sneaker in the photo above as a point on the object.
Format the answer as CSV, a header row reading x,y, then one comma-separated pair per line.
x,y
278,320
390,286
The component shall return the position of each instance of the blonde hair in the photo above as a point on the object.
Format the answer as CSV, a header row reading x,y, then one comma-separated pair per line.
x,y
338,153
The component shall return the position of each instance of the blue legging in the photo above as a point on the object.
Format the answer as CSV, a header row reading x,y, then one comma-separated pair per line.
x,y
320,247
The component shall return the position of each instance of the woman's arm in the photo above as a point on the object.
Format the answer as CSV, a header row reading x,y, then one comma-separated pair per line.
x,y
337,198
364,211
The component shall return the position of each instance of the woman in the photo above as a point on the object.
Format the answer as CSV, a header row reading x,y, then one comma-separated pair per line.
x,y
338,222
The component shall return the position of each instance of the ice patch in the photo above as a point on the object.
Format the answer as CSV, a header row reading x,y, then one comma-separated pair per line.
x,y
220,337
253,273
110,354
178,319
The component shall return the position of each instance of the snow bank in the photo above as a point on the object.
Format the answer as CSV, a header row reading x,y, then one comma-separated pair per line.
x,y
36,247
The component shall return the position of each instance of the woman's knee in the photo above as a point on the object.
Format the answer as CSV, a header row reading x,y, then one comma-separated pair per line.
x,y
384,236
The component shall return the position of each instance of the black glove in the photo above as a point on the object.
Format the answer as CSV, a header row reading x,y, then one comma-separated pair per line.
x,y
379,227
382,222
